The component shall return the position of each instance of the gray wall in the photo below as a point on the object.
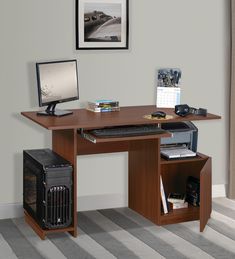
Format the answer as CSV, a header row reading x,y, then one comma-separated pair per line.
x,y
188,34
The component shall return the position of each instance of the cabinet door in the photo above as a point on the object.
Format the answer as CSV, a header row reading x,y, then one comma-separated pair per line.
x,y
205,194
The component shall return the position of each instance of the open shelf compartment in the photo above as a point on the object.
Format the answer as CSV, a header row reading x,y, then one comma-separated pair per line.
x,y
174,175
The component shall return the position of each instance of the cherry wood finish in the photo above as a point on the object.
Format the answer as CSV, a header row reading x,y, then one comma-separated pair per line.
x,y
174,176
205,194
145,165
114,139
180,215
133,115
85,147
199,157
64,143
43,232
144,157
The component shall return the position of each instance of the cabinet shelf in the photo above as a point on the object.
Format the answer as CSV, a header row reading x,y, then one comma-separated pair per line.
x,y
180,215
198,157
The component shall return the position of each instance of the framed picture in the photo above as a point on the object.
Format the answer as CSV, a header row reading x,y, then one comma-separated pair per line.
x,y
102,24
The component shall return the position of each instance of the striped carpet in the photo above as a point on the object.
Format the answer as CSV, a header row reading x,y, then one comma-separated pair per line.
x,y
122,233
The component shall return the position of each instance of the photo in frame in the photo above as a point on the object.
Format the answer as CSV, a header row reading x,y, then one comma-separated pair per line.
x,y
102,24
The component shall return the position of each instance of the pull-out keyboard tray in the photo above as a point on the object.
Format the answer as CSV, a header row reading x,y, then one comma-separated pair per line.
x,y
123,133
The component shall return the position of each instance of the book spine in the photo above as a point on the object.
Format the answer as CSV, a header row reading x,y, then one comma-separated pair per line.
x,y
104,104
175,200
163,197
113,109
180,205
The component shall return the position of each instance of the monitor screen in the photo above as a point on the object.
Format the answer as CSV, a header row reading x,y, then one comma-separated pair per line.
x,y
57,82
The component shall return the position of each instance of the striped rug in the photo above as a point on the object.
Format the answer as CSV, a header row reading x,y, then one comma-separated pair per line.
x,y
122,233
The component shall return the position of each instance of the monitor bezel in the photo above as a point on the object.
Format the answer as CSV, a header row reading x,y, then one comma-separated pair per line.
x,y
38,64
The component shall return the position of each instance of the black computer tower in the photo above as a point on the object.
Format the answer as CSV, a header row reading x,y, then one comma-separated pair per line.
x,y
47,188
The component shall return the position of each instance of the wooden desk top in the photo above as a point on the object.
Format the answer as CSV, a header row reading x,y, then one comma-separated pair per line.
x,y
132,115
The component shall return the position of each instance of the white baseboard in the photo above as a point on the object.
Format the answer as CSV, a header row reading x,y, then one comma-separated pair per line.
x,y
93,202
218,190
104,201
84,203
11,210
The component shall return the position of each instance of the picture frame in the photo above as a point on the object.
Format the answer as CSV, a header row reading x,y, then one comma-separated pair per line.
x,y
102,24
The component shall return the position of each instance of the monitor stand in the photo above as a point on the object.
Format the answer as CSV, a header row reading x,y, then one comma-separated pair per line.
x,y
51,111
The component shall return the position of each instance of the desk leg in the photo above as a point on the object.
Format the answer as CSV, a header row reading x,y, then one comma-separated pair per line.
x,y
64,143
144,172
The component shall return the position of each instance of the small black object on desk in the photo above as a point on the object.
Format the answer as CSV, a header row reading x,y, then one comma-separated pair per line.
x,y
183,110
158,114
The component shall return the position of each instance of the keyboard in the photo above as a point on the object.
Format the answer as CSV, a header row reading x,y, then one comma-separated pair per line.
x,y
128,131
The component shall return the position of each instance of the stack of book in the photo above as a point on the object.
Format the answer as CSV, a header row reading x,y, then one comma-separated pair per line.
x,y
193,191
177,200
103,106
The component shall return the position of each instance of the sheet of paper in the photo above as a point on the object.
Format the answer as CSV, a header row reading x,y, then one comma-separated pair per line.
x,y
168,87
168,97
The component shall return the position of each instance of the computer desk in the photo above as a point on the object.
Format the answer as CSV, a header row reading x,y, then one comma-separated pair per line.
x,y
144,162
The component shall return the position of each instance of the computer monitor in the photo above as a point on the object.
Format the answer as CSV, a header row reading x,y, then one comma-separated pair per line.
x,y
57,82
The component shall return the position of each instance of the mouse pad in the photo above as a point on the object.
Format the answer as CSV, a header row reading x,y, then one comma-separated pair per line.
x,y
149,117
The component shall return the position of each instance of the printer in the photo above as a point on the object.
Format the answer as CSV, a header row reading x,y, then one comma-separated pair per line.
x,y
184,134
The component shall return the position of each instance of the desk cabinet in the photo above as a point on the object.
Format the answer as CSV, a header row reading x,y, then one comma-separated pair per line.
x,y
145,168
174,176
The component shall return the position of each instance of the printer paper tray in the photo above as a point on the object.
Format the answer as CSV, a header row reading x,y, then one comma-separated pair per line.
x,y
177,153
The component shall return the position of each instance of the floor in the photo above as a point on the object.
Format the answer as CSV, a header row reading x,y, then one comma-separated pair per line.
x,y
122,233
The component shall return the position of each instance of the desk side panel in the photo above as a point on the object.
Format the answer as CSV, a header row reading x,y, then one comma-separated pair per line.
x,y
64,143
205,194
144,168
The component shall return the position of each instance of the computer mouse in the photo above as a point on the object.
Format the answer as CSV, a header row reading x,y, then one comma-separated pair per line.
x,y
158,114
